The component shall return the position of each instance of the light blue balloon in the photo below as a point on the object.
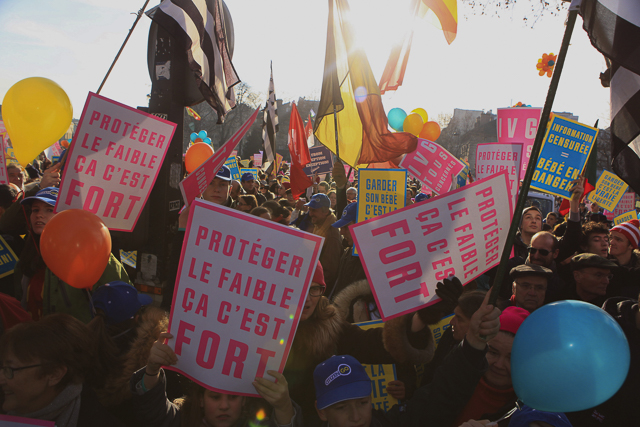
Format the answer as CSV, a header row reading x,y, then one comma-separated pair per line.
x,y
193,136
207,140
568,356
202,134
396,118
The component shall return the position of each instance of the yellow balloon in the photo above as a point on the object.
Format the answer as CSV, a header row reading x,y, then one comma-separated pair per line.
x,y
412,124
422,113
36,112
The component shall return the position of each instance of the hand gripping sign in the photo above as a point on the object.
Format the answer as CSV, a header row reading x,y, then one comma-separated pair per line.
x,y
113,162
406,252
242,284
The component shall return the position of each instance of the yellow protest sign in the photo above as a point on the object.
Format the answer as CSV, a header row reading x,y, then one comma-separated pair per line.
x,y
609,190
625,217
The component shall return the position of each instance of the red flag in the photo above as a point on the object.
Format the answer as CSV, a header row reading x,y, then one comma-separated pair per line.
x,y
565,206
299,154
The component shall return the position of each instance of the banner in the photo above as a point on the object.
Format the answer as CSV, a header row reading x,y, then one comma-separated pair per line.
x,y
8,258
406,252
232,164
113,162
627,203
321,161
494,157
198,180
241,287
625,217
13,421
609,191
564,153
432,165
519,125
380,375
464,175
254,172
4,178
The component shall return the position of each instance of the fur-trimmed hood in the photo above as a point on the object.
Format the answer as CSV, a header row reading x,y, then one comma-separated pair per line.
x,y
152,322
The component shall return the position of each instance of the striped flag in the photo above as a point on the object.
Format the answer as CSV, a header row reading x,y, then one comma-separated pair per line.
x,y
199,28
613,27
270,121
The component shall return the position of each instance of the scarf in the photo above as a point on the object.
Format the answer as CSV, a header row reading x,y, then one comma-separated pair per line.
x,y
64,409
323,229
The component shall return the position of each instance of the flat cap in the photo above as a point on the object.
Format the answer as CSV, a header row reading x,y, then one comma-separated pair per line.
x,y
591,260
530,270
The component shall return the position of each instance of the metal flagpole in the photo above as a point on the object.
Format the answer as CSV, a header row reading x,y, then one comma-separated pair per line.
x,y
535,151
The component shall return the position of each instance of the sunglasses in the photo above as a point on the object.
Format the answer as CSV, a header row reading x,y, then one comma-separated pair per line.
x,y
533,251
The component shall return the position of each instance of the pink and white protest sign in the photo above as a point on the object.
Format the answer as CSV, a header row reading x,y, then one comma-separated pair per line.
x,y
13,421
627,203
4,179
432,165
241,288
198,180
519,124
406,252
257,160
495,157
113,162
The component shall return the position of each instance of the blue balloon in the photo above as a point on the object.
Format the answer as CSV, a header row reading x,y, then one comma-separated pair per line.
x,y
396,118
202,134
193,136
207,140
568,356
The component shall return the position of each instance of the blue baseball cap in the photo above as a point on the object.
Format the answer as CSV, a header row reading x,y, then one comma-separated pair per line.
x,y
349,214
224,173
247,176
119,300
48,195
319,200
526,415
340,378
421,197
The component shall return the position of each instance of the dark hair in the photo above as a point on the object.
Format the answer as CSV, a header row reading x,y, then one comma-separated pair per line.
x,y
275,208
259,211
7,195
470,301
249,199
593,227
57,340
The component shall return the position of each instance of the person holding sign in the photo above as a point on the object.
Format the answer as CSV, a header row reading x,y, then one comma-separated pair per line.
x,y
42,292
202,407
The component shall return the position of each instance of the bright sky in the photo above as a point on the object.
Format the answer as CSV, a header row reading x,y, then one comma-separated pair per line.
x,y
491,64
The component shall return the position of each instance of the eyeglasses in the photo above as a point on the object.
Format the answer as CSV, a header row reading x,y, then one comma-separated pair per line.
x,y
533,251
316,291
9,371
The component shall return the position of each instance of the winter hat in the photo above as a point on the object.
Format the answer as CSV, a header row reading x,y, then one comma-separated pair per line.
x,y
511,319
630,230
318,275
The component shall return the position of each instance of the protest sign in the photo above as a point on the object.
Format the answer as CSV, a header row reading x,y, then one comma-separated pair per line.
x,y
625,217
13,421
380,375
4,179
8,258
432,165
321,161
244,163
564,153
129,258
232,164
380,191
494,157
241,287
519,125
257,159
463,175
350,172
627,203
438,329
198,180
113,162
406,252
609,190
253,171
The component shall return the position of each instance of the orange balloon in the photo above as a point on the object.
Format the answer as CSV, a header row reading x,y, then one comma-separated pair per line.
x,y
76,245
412,124
64,143
196,155
430,131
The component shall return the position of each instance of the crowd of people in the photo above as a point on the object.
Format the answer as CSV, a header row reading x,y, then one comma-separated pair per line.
x,y
95,357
